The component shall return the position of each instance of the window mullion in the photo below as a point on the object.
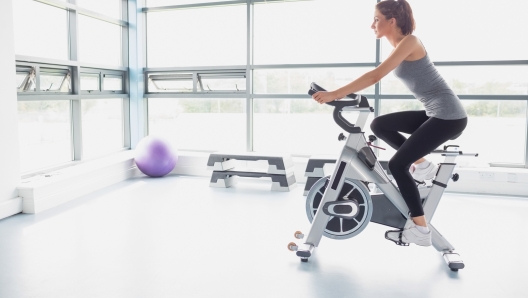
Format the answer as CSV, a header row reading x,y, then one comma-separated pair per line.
x,y
76,112
249,77
526,144
76,118
37,78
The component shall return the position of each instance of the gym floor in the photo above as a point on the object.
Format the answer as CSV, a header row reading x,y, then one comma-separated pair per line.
x,y
177,237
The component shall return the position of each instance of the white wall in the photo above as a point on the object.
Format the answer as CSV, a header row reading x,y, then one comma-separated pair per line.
x,y
9,153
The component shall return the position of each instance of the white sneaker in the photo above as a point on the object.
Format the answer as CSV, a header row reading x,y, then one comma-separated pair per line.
x,y
421,174
410,234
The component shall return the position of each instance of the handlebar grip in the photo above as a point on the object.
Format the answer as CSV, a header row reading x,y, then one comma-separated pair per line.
x,y
314,88
338,108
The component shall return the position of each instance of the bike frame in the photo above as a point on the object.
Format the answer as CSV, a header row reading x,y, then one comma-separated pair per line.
x,y
349,166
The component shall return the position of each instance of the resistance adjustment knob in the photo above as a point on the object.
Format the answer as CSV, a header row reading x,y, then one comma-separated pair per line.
x,y
455,177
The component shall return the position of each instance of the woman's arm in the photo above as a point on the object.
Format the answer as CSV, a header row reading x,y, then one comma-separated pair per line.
x,y
402,51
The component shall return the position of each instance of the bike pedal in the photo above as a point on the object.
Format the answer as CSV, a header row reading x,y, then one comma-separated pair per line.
x,y
399,242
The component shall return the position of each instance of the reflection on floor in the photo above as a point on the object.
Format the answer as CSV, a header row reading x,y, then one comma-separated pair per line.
x,y
177,237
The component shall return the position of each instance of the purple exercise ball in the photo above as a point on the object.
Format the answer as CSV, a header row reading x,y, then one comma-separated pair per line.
x,y
155,157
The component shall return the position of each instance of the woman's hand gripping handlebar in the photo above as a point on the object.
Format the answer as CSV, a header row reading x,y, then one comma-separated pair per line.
x,y
340,104
315,91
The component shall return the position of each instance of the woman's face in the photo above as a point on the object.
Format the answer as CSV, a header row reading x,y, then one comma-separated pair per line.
x,y
381,25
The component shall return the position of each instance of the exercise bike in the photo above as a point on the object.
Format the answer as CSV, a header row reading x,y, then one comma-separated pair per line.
x,y
341,206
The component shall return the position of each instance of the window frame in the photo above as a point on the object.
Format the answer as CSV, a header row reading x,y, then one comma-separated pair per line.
x,y
250,66
75,68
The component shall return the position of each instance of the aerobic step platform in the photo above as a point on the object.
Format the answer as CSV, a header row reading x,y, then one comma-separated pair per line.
x,y
225,169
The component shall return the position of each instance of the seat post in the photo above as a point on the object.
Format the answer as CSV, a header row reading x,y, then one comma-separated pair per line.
x,y
445,172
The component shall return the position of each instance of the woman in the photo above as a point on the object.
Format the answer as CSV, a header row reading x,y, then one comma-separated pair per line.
x,y
444,116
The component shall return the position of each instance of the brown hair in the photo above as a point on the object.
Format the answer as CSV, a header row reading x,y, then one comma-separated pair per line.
x,y
401,11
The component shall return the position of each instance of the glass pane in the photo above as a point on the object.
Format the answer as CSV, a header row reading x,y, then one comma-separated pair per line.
x,y
229,85
44,133
99,41
102,126
40,30
178,2
20,77
496,130
111,8
197,37
287,32
199,124
178,82
454,41
487,79
472,80
113,83
299,127
90,82
297,81
58,82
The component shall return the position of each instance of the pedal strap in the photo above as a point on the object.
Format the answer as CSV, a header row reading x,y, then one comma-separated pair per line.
x,y
400,241
439,184
420,182
399,238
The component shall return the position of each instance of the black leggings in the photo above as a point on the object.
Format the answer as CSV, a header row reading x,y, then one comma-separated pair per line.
x,y
427,134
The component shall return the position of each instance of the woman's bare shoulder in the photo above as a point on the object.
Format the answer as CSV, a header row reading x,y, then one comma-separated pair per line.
x,y
411,39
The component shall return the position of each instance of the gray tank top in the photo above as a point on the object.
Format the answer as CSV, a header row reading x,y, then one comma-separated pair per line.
x,y
428,86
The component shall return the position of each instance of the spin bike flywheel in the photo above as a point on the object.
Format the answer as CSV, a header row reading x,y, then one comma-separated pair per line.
x,y
340,228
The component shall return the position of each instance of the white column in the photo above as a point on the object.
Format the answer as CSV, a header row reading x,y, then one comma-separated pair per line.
x,y
9,148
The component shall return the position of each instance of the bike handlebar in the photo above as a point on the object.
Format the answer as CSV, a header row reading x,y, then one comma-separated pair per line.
x,y
339,105
314,88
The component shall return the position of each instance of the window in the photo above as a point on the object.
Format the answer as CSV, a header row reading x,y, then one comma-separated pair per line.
x,y
46,80
499,80
99,41
91,79
90,82
199,124
473,80
496,129
297,81
110,8
222,82
102,126
211,81
177,2
177,82
40,30
197,37
55,80
25,78
287,33
289,49
45,133
113,82
298,126
53,120
448,39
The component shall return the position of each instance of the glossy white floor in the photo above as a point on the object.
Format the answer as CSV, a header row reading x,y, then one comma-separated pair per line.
x,y
177,237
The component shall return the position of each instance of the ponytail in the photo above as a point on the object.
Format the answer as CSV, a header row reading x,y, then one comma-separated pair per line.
x,y
401,11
